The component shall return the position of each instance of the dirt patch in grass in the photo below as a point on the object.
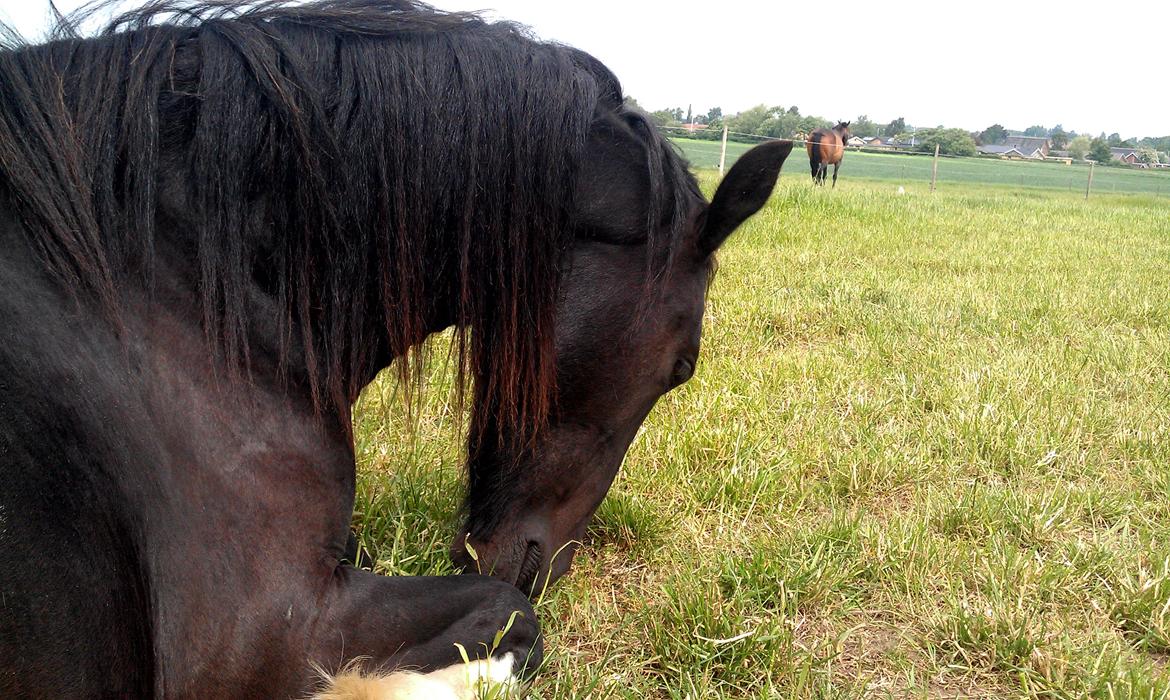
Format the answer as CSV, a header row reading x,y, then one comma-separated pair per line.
x,y
1161,661
971,691
865,654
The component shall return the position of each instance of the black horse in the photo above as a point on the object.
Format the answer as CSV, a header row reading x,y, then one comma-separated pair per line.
x,y
217,224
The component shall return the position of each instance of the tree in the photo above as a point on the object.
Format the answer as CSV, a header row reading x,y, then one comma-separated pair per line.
x,y
749,120
667,117
663,117
1036,131
1114,140
863,127
1079,147
1059,137
778,124
1099,151
1158,143
1147,155
993,134
895,127
714,121
810,123
952,142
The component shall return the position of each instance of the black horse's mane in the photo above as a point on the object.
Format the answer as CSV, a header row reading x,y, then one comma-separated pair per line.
x,y
335,151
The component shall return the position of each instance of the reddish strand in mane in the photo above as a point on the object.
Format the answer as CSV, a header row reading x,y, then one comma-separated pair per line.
x,y
320,151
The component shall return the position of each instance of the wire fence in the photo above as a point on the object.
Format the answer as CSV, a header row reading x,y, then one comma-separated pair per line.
x,y
916,168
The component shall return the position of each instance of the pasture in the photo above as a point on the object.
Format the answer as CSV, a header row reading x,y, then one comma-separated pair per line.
x,y
914,170
926,454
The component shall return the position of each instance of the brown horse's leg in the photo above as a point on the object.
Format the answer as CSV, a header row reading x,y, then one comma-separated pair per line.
x,y
415,622
836,166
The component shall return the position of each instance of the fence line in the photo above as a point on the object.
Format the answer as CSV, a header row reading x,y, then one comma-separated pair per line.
x,y
1062,181
751,136
857,149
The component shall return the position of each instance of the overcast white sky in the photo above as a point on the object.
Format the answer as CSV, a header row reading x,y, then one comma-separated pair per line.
x,y
1090,67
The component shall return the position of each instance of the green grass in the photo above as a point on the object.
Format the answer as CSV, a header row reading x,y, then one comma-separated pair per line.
x,y
913,171
926,454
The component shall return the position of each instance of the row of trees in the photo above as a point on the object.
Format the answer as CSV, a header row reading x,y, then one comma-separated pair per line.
x,y
776,121
1097,149
1061,138
1081,146
781,122
764,120
951,142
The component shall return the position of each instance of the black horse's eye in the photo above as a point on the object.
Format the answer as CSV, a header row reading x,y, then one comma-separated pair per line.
x,y
683,370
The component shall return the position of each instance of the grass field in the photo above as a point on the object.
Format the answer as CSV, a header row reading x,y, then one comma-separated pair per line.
x,y
926,454
914,170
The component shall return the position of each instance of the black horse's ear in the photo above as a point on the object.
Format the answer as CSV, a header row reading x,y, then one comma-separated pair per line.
x,y
741,194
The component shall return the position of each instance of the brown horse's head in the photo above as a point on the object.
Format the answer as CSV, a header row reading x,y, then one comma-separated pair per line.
x,y
627,331
842,130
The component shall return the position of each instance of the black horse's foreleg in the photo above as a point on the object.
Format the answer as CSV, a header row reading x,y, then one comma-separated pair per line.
x,y
422,623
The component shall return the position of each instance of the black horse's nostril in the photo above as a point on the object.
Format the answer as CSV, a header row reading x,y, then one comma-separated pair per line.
x,y
461,556
529,567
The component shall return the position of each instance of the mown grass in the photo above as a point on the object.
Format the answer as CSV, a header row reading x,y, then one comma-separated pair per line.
x,y
915,170
926,454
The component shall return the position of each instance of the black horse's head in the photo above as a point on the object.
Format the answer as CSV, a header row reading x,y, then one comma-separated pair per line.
x,y
627,332
337,181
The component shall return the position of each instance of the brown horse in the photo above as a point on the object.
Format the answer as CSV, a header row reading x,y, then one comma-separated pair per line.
x,y
827,147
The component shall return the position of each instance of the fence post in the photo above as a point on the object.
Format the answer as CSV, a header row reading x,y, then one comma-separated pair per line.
x,y
1089,187
934,169
723,151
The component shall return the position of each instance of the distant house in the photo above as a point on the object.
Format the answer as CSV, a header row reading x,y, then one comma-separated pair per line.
x,y
1035,147
856,141
1001,151
1126,155
875,141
